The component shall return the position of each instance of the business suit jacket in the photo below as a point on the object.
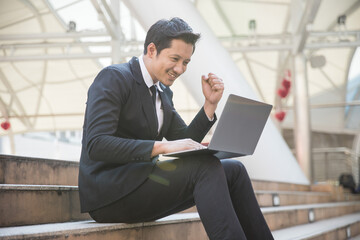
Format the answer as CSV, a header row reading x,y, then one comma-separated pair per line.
x,y
119,133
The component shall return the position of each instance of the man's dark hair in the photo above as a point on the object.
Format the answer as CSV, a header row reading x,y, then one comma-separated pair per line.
x,y
164,31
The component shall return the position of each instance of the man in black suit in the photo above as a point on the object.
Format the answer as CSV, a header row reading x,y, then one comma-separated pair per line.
x,y
129,111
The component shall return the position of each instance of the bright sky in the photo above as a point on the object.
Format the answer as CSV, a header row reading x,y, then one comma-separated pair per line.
x,y
355,65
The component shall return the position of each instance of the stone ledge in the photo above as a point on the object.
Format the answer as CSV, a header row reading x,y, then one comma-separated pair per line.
x,y
26,187
316,229
86,227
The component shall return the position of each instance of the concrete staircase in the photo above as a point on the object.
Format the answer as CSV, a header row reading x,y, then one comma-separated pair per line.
x,y
39,200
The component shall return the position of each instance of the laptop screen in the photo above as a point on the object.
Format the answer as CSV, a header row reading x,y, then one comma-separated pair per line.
x,y
240,125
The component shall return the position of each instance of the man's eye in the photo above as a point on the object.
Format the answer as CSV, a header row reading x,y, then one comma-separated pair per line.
x,y
174,59
186,63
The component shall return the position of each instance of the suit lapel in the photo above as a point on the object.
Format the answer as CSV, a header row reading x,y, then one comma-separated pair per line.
x,y
145,98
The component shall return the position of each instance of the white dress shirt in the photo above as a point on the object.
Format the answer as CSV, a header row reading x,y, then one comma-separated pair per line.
x,y
149,82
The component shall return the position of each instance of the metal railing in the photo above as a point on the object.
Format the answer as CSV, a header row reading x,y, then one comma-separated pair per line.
x,y
329,163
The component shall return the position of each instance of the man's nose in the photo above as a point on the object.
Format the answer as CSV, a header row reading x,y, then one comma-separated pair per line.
x,y
179,68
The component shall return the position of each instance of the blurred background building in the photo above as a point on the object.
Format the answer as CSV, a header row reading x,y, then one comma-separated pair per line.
x,y
300,56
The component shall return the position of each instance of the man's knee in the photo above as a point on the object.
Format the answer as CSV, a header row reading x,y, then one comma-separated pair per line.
x,y
210,162
208,167
233,164
234,169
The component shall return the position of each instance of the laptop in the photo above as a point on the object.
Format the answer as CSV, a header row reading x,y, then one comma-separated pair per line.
x,y
237,132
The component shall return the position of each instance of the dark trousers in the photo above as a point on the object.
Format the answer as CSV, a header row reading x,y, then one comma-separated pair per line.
x,y
221,191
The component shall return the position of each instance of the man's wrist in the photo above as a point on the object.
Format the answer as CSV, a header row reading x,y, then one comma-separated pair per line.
x,y
158,148
209,110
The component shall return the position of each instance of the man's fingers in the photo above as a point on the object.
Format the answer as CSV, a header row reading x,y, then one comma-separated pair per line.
x,y
217,85
204,78
190,142
215,80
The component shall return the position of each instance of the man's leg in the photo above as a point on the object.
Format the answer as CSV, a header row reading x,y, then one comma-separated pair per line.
x,y
175,185
244,201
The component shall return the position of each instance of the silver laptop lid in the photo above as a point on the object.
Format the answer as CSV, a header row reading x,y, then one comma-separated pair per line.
x,y
240,125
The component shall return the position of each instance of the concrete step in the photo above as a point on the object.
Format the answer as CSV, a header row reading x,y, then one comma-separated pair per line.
x,y
35,204
38,171
338,192
177,226
287,216
285,198
292,215
343,227
279,186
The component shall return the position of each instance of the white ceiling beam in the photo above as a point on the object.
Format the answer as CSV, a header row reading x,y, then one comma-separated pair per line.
x,y
106,19
56,14
260,2
307,16
110,12
3,109
137,44
241,49
48,115
353,44
261,48
312,34
225,40
347,12
288,47
258,37
68,5
44,36
65,26
328,78
40,20
55,45
16,100
354,33
259,63
66,56
331,105
232,31
224,16
282,63
54,57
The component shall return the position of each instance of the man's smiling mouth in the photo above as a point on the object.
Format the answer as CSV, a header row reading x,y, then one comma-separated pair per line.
x,y
172,75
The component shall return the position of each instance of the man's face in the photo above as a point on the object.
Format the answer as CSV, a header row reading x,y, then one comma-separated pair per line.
x,y
171,62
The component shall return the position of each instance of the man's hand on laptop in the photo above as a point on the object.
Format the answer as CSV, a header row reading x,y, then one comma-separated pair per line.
x,y
175,146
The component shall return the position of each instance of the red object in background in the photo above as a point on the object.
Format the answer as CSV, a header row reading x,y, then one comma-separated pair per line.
x,y
5,125
280,115
282,92
289,73
286,83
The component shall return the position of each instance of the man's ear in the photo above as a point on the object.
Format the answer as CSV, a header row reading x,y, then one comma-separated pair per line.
x,y
151,50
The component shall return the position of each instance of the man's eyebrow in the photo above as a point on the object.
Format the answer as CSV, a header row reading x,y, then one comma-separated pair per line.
x,y
175,55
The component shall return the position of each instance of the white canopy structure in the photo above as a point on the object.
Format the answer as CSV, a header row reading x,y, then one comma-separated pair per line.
x,y
51,50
